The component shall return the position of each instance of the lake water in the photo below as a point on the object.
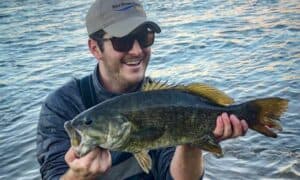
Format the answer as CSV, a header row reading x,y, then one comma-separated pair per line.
x,y
248,48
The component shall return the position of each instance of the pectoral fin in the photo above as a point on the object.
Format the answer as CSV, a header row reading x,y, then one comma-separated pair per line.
x,y
144,160
209,143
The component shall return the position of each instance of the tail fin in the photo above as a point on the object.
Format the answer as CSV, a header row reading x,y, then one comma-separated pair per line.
x,y
268,111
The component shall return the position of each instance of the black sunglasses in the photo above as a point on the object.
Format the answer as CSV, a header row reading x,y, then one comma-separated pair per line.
x,y
145,38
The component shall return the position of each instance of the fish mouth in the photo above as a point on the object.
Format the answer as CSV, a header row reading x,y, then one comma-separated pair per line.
x,y
73,133
81,144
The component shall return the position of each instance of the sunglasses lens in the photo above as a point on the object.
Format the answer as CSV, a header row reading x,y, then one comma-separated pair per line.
x,y
146,39
124,44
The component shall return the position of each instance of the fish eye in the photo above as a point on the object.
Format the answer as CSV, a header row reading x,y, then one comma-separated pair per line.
x,y
88,121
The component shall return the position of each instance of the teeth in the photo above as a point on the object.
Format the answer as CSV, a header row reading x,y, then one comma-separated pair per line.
x,y
133,62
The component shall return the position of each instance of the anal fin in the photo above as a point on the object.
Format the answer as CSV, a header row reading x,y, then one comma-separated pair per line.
x,y
144,160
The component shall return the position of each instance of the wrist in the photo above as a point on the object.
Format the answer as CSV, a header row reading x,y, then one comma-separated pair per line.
x,y
187,163
189,149
71,175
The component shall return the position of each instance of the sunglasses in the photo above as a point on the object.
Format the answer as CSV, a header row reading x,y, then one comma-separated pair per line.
x,y
124,44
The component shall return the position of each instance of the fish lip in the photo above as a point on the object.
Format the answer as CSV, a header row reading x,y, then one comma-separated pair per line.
x,y
68,127
74,134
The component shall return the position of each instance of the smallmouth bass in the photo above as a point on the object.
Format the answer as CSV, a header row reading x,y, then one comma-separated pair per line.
x,y
164,115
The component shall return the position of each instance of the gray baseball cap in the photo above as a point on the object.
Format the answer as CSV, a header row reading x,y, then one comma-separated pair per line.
x,y
117,17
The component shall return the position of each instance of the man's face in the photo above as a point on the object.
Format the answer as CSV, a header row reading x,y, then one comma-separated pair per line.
x,y
125,68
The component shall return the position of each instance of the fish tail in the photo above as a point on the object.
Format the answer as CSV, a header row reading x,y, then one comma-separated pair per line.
x,y
268,112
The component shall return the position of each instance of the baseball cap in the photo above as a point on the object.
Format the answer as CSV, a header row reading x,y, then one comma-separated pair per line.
x,y
117,17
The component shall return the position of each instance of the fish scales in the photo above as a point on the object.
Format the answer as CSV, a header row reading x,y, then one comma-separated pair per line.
x,y
180,117
167,116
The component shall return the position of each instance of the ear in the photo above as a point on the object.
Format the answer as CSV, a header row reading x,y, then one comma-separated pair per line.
x,y
94,49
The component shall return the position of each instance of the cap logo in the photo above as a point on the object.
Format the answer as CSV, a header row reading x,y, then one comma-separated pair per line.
x,y
124,6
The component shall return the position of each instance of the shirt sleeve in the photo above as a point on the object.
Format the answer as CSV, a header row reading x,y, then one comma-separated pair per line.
x,y
52,140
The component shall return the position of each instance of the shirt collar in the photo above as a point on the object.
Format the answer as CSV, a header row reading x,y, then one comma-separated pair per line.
x,y
101,93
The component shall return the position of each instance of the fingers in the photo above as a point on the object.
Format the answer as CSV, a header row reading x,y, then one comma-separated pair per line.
x,y
218,132
223,128
229,127
104,157
70,156
96,162
94,154
95,166
244,126
236,126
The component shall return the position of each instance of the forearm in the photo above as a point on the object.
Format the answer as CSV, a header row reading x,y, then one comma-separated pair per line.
x,y
187,163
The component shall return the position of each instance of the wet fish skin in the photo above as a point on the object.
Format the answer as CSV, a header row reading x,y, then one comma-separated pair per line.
x,y
140,121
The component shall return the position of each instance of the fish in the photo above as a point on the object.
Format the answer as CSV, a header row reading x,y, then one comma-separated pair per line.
x,y
163,115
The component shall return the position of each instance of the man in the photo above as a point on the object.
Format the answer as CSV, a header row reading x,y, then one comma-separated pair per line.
x,y
120,40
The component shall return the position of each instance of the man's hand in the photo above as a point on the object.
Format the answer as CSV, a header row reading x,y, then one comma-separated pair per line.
x,y
89,166
229,127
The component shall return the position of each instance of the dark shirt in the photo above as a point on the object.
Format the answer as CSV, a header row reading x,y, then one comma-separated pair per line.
x,y
53,142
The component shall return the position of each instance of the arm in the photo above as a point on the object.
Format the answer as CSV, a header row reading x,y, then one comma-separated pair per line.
x,y
188,163
52,140
52,143
57,158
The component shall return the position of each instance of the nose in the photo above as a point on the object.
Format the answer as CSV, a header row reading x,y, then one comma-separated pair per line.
x,y
136,49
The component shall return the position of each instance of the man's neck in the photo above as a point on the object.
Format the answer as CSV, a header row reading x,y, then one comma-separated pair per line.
x,y
118,87
114,86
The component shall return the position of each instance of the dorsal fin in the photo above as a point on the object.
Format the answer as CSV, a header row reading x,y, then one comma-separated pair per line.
x,y
199,89
156,85
209,92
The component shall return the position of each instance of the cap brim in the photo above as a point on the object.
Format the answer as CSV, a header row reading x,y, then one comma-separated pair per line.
x,y
125,27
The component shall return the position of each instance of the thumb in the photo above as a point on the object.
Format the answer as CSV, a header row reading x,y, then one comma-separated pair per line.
x,y
105,154
70,155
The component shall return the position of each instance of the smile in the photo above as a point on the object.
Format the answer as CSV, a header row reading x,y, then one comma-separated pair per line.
x,y
132,62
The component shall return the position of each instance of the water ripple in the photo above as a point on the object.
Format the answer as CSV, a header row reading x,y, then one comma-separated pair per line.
x,y
249,49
